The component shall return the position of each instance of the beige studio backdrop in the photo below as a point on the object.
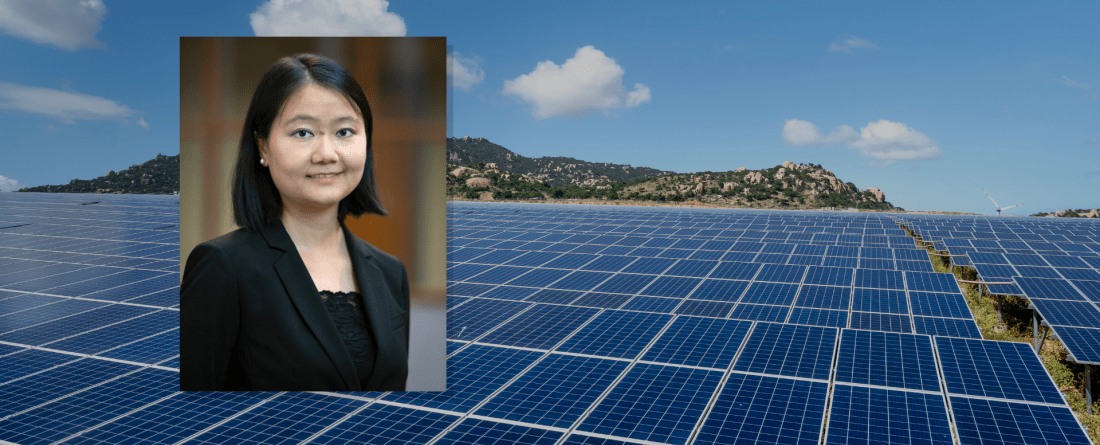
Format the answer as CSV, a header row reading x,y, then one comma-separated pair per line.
x,y
405,80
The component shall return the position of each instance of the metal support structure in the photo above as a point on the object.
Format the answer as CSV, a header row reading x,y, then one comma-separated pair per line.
x,y
1035,330
1088,389
999,322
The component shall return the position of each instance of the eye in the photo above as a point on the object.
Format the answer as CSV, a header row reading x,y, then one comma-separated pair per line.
x,y
303,133
345,132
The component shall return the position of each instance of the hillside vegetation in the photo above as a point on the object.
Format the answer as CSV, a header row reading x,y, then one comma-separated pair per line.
x,y
789,185
160,175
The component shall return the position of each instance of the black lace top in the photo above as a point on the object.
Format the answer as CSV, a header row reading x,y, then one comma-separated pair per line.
x,y
347,311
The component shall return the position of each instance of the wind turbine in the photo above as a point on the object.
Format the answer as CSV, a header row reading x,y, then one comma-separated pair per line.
x,y
999,208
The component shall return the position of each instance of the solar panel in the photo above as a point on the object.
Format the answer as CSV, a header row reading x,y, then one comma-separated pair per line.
x,y
620,334
993,421
884,416
764,409
714,342
997,369
1082,343
482,431
502,290
789,350
556,392
887,359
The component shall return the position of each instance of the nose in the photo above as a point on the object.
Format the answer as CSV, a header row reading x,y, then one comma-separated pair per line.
x,y
326,150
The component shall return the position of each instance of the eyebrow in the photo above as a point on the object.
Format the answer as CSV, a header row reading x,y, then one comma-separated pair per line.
x,y
311,119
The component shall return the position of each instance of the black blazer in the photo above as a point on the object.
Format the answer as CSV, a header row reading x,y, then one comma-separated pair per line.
x,y
251,318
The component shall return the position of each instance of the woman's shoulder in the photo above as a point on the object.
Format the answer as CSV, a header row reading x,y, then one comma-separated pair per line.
x,y
237,241
377,255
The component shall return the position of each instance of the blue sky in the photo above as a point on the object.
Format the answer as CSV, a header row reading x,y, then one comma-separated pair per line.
x,y
930,103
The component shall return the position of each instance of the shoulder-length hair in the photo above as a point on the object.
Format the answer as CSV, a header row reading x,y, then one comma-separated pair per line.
x,y
256,200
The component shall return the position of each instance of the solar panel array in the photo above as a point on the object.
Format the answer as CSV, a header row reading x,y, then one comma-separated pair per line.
x,y
1053,262
566,325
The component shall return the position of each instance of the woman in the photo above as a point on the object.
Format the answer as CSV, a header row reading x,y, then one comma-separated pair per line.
x,y
292,300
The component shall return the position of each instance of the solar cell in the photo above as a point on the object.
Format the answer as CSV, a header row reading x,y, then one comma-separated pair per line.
x,y
655,403
1065,313
1082,343
818,317
887,359
619,334
1051,288
555,392
719,290
472,375
997,369
666,286
782,294
540,327
934,304
875,321
476,317
480,431
761,409
714,342
879,279
789,350
992,421
883,416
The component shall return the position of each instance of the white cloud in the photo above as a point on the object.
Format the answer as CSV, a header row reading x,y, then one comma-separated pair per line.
x,y
464,72
141,121
66,24
847,42
64,105
1084,88
801,133
883,141
9,184
589,81
331,18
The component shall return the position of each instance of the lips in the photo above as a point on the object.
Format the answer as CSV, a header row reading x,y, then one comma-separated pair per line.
x,y
322,175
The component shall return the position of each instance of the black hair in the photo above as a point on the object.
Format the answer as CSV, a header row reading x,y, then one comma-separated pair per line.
x,y
256,200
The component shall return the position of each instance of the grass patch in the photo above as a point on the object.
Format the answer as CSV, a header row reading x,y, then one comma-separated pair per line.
x,y
1016,326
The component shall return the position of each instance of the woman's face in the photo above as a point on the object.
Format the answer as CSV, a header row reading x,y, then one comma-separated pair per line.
x,y
316,149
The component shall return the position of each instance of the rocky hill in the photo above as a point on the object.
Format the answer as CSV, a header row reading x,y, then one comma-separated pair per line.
x,y
1072,213
788,185
160,175
560,171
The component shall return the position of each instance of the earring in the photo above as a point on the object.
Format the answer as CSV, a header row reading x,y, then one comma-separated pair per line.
x,y
261,161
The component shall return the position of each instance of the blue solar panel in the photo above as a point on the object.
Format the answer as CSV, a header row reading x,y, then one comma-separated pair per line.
x,y
692,268
472,375
819,317
824,297
782,294
882,416
601,300
498,275
540,327
654,403
32,390
874,321
478,431
1051,288
933,304
609,263
997,422
714,341
720,290
789,350
1037,271
998,369
832,276
556,392
676,287
879,300
625,283
70,415
735,270
1091,289
1082,343
879,279
119,334
887,359
931,282
759,409
474,318
649,266
620,334
1068,313
781,273
760,312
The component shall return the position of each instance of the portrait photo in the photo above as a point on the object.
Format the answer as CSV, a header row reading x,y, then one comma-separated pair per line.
x,y
312,214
